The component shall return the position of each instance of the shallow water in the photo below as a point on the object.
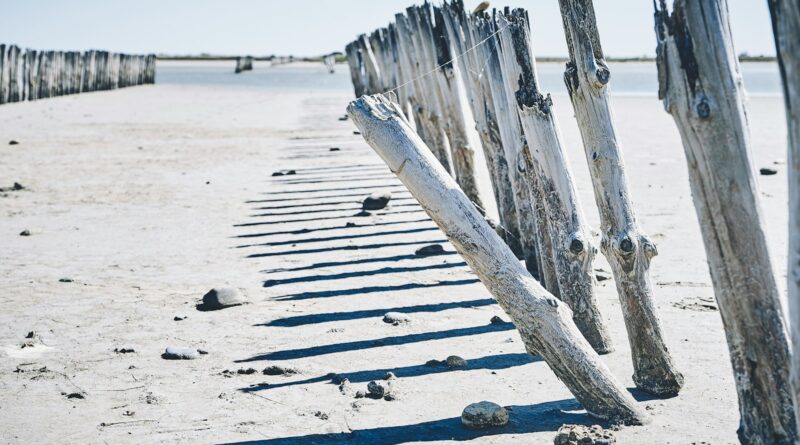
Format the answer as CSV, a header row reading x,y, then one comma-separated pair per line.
x,y
627,78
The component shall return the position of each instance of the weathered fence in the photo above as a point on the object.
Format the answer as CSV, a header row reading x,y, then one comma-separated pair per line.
x,y
34,74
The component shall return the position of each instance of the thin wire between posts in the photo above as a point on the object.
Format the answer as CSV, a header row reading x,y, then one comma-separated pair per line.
x,y
448,62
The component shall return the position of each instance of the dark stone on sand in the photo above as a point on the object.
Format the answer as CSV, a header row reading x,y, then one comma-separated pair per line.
x,y
14,188
179,318
25,232
221,298
389,397
360,394
484,415
455,362
396,318
379,390
430,249
584,435
334,149
350,224
179,353
279,370
496,320
30,334
376,201
65,280
75,395
247,371
766,171
284,173
124,350
356,132
602,276
344,118
13,142
434,363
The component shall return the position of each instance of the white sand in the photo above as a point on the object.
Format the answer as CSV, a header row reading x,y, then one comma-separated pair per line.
x,y
144,236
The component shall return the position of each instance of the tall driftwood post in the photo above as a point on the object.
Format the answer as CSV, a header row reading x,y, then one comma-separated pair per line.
x,y
573,252
786,29
3,75
545,324
700,84
627,249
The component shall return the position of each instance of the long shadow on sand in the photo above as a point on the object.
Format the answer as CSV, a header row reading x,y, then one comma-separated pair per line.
x,y
313,351
373,289
492,363
309,198
324,229
300,320
320,204
361,273
311,220
341,237
346,247
397,184
342,209
540,417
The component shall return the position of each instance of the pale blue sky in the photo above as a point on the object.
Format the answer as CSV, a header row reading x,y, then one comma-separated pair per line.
x,y
311,27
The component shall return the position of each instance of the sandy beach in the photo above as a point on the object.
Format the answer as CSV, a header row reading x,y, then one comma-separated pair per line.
x,y
139,201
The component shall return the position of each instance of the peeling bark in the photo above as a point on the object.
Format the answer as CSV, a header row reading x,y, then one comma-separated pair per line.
x,y
545,324
701,88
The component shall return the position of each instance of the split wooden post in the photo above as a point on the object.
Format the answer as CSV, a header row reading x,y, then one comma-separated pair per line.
x,y
243,63
573,251
786,29
627,249
545,324
700,84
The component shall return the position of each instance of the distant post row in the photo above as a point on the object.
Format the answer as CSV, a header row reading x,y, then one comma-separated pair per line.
x,y
33,74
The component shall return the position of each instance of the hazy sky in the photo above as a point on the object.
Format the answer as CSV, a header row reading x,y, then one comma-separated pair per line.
x,y
311,27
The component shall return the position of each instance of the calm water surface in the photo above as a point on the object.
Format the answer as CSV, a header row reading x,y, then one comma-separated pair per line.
x,y
629,78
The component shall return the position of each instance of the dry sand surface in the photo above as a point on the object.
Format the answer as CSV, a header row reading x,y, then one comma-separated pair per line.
x,y
148,197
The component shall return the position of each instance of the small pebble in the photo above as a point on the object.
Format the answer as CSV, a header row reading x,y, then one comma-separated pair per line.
x,y
431,249
279,370
65,280
602,276
320,415
25,232
376,201
360,394
221,297
350,224
178,353
396,318
179,318
766,171
75,395
124,350
455,362
496,320
247,371
334,149
13,142
379,389
584,435
344,118
356,132
484,415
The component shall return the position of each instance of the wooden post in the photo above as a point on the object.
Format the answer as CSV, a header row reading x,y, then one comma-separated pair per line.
x,y
573,252
700,84
3,74
544,323
627,249
786,29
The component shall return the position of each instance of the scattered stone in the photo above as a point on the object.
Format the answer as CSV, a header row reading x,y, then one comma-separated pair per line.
x,y
221,298
284,173
396,318
429,250
320,415
584,435
360,394
124,350
766,171
389,397
356,132
334,149
178,353
376,201
65,280
247,371
31,334
434,363
699,304
13,142
350,224
75,395
25,232
344,118
484,415
14,188
378,390
602,276
496,320
128,413
455,362
202,352
279,370
179,318
344,386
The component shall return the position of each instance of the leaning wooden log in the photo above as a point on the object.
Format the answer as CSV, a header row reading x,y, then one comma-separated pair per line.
x,y
786,29
627,249
700,84
573,252
544,323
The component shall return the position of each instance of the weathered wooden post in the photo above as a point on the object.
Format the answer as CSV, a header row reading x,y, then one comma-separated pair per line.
x,y
700,84
243,64
573,252
786,29
545,324
627,249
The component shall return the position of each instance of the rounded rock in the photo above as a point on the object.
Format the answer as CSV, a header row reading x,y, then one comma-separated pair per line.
x,y
179,353
376,201
484,415
455,362
222,297
396,318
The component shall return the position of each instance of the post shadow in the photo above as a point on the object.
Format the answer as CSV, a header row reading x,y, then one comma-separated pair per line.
x,y
397,186
539,417
360,273
341,237
300,320
314,351
344,209
324,229
320,204
324,218
323,181
373,289
347,247
402,190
